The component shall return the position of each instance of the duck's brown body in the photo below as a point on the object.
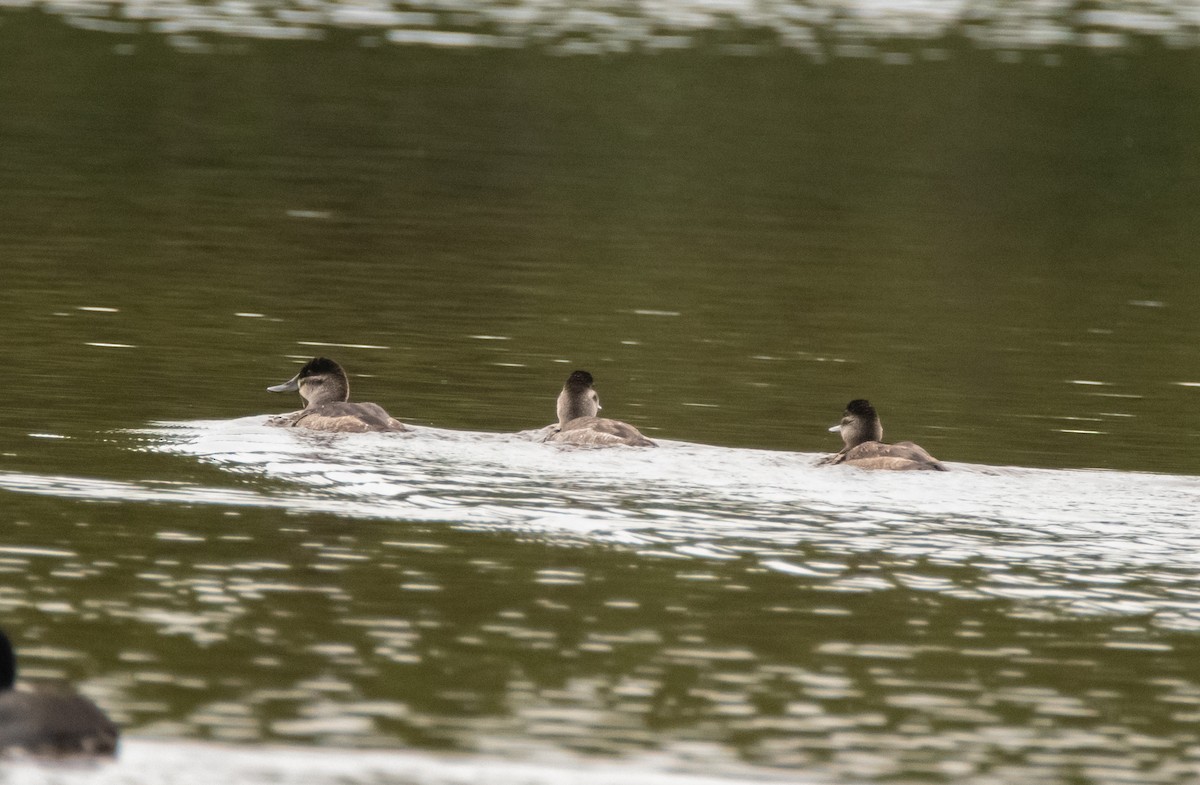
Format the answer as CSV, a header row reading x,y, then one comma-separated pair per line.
x,y
340,418
599,432
902,456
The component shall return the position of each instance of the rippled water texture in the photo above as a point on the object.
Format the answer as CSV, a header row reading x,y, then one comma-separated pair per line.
x,y
819,30
738,217
688,599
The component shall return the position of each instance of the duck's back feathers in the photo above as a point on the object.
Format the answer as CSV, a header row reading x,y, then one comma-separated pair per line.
x,y
599,432
344,418
47,722
902,456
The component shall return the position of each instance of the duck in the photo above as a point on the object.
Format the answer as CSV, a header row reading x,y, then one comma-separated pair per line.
x,y
578,405
862,434
325,390
49,721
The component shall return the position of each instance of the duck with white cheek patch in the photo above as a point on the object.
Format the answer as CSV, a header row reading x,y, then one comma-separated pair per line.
x,y
862,434
578,405
325,390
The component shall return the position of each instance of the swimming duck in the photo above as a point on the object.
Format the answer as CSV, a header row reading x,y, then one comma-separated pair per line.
x,y
48,721
325,389
578,424
861,431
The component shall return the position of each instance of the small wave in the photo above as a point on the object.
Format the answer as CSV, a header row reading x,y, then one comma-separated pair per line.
x,y
147,762
893,33
1072,540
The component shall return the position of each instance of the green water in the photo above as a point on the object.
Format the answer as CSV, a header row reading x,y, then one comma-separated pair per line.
x,y
953,240
735,247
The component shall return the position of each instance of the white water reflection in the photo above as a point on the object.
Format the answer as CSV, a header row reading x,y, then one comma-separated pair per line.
x,y
885,30
1058,542
150,762
745,604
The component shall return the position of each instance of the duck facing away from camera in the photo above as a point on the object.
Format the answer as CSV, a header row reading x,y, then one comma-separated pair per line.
x,y
48,721
325,389
862,433
578,424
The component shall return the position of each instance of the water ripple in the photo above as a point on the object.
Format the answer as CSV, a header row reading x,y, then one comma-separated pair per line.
x,y
1069,542
895,33
147,762
994,623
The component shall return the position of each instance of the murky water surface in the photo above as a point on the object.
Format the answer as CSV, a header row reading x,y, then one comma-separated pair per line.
x,y
738,217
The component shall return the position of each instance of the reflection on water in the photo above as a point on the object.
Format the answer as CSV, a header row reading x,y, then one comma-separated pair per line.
x,y
144,762
847,28
686,600
1000,255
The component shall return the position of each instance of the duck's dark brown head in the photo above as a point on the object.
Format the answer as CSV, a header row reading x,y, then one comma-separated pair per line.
x,y
860,423
577,398
321,380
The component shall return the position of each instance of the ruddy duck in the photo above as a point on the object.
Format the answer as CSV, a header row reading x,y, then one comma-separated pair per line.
x,y
323,386
49,721
861,431
578,405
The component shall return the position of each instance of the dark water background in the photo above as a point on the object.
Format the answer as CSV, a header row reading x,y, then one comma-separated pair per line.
x,y
996,247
